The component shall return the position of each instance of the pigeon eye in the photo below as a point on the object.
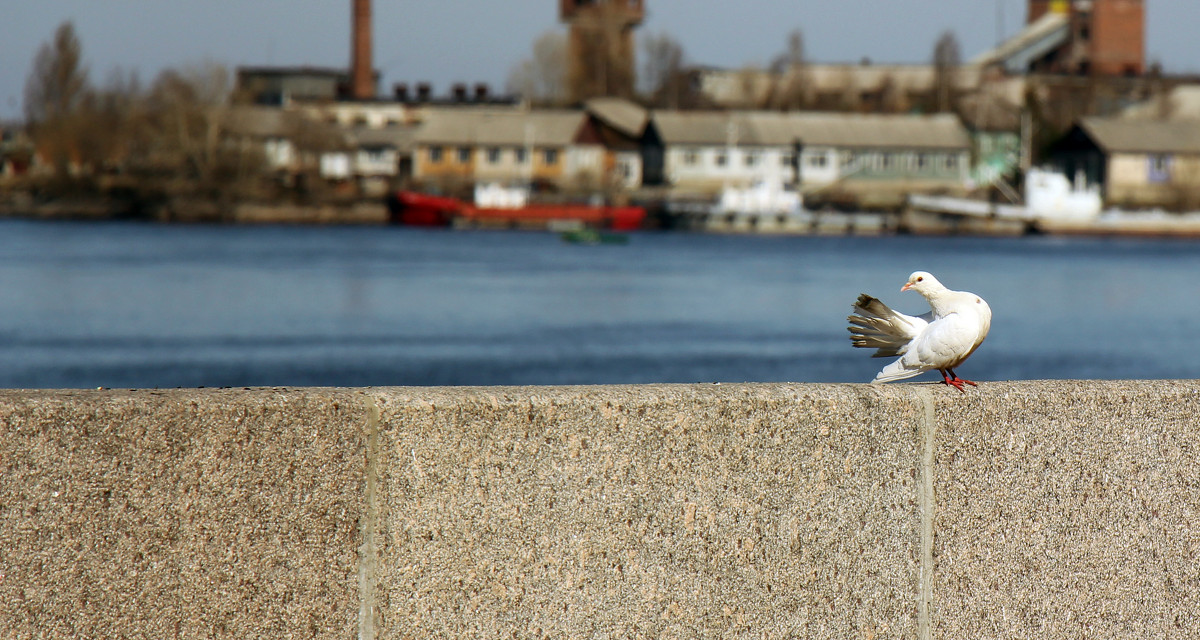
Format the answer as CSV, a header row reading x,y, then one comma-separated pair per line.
x,y
920,278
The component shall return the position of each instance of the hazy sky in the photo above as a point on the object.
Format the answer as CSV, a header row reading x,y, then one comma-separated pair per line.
x,y
446,41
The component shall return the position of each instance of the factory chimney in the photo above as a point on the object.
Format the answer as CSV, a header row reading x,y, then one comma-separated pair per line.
x,y
362,75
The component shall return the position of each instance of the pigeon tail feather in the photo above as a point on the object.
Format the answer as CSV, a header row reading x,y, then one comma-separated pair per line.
x,y
898,371
877,326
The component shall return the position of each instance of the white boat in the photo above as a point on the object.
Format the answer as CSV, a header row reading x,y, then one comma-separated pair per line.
x,y
769,207
1053,204
1049,197
762,207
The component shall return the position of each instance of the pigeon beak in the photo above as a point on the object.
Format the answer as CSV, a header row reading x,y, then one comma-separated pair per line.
x,y
906,287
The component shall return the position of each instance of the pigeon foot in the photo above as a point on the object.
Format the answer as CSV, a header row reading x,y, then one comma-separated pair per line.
x,y
955,382
955,377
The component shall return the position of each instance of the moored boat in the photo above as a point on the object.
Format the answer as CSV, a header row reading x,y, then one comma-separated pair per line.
x,y
594,236
1051,200
489,211
417,209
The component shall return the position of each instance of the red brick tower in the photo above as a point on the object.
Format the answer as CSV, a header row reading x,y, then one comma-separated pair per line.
x,y
600,48
1107,37
1118,37
362,76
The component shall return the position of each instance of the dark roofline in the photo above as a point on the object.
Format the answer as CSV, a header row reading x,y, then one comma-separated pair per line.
x,y
305,70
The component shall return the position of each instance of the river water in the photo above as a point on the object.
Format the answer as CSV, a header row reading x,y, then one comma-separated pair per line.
x,y
144,305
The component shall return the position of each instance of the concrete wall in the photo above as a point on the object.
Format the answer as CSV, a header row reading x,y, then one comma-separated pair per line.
x,y
1026,509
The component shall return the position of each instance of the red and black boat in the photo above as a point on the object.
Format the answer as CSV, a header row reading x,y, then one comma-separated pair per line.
x,y
424,210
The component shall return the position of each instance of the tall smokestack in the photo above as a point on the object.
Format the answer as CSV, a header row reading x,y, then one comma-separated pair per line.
x,y
362,76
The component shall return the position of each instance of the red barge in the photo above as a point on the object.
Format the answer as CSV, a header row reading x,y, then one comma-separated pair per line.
x,y
424,210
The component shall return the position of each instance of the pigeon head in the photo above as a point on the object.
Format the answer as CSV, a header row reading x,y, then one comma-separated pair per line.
x,y
923,283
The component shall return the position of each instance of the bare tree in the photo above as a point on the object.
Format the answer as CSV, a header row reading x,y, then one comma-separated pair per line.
x,y
77,126
58,81
850,96
1158,94
311,138
188,112
664,80
791,83
946,62
892,98
55,91
112,120
750,86
176,133
793,55
543,77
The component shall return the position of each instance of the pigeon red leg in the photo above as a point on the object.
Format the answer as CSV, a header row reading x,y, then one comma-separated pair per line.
x,y
955,376
955,382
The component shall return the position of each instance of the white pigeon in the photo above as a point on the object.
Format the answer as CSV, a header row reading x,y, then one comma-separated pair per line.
x,y
941,339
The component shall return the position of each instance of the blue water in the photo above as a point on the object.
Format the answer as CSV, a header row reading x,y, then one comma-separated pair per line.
x,y
143,305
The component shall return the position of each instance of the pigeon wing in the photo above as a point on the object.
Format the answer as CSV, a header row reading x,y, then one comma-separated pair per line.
x,y
943,343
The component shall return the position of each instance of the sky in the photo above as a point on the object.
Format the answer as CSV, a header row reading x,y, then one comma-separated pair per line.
x,y
470,41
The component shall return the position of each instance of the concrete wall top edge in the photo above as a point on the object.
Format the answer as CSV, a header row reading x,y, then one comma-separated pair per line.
x,y
986,390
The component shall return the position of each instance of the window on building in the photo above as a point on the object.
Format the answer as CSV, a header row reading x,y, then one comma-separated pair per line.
x,y
464,155
550,156
817,161
690,158
848,158
493,155
751,159
522,156
888,162
1159,167
435,154
720,159
786,160
951,162
922,161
